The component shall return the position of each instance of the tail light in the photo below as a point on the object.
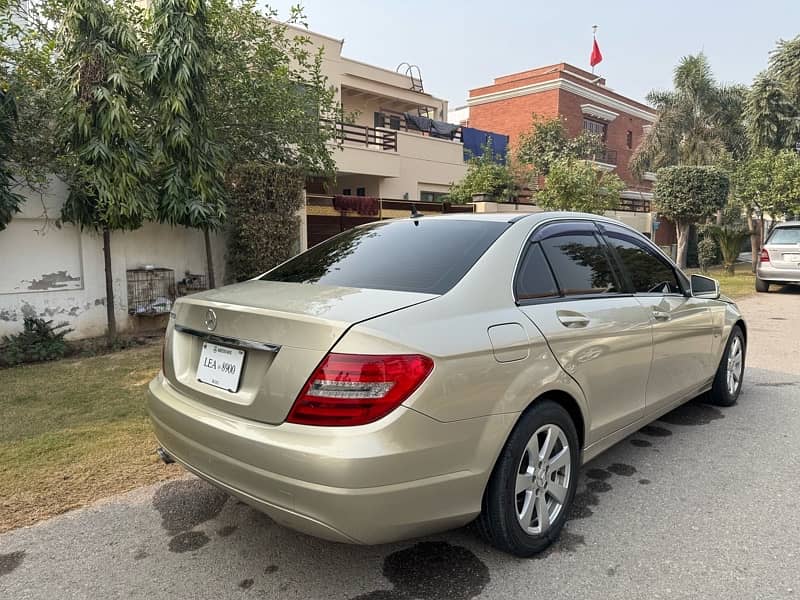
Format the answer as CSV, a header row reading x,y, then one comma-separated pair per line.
x,y
356,389
764,255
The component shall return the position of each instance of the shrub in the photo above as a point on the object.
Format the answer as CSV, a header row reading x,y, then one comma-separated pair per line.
x,y
706,253
263,225
38,341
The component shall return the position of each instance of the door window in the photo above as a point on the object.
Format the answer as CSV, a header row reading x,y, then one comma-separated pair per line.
x,y
580,263
647,272
534,278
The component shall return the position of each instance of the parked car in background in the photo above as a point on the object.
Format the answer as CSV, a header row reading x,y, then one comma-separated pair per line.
x,y
408,376
780,257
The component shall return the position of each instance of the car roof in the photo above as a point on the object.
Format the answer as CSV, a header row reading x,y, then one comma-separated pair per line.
x,y
513,217
786,224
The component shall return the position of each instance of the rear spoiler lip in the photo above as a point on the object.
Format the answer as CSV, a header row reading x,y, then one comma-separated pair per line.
x,y
228,341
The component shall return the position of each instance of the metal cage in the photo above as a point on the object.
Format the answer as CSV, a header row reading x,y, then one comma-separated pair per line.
x,y
192,283
151,291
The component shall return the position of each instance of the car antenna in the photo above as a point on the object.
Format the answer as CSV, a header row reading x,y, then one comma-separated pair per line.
x,y
414,213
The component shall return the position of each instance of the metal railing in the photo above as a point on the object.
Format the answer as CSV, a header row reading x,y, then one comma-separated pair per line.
x,y
634,205
397,121
363,135
605,155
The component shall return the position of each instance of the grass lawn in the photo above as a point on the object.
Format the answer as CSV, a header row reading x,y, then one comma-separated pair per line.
x,y
74,431
743,283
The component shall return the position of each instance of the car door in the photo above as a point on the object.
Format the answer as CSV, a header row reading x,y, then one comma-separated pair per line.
x,y
682,325
566,285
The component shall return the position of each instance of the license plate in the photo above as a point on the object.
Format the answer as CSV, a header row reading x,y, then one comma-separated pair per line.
x,y
794,257
220,366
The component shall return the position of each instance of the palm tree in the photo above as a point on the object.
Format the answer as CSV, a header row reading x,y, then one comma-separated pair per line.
x,y
699,121
729,238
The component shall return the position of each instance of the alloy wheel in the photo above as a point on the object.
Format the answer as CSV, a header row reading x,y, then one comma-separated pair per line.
x,y
543,479
735,365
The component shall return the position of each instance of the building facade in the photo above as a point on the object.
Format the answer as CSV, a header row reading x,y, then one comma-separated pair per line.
x,y
584,102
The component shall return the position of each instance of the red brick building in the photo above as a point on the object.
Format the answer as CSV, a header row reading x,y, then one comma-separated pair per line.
x,y
583,101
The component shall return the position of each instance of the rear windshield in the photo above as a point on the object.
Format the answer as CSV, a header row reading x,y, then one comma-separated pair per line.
x,y
428,256
785,235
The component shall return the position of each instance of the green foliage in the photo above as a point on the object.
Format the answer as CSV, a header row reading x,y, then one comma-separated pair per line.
x,y
577,185
263,226
547,142
730,240
38,341
485,175
9,201
187,160
706,253
769,181
770,115
687,194
699,121
106,163
267,91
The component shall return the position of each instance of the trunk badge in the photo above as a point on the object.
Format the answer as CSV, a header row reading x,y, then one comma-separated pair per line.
x,y
211,320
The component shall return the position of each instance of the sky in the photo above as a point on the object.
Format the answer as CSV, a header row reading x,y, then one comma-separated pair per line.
x,y
463,44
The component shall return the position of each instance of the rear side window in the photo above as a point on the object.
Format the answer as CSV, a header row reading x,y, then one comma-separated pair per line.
x,y
785,235
534,279
428,256
580,263
647,272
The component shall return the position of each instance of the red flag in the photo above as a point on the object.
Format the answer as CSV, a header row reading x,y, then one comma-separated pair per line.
x,y
596,56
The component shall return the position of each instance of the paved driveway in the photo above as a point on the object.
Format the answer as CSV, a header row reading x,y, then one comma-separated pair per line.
x,y
701,504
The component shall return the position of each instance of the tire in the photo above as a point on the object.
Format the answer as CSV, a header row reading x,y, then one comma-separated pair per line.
x,y
725,391
761,285
504,508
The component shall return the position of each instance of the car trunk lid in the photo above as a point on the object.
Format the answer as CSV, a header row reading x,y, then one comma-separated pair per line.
x,y
283,330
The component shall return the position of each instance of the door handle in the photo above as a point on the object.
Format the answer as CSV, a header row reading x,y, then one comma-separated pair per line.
x,y
572,319
660,315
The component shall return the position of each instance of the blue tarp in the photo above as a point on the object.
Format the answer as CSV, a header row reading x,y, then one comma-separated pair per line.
x,y
475,140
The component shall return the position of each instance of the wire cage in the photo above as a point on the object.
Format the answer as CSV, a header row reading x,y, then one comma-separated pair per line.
x,y
191,283
151,291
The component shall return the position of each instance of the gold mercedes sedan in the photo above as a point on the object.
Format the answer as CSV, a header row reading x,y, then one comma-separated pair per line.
x,y
409,376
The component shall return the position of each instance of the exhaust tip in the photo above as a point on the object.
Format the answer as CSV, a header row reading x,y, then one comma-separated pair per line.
x,y
165,456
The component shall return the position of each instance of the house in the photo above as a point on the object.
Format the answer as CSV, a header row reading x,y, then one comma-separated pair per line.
x,y
584,102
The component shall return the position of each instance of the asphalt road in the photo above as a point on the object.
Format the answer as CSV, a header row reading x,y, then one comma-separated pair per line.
x,y
702,504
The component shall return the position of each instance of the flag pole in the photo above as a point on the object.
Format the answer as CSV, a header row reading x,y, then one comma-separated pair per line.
x,y
594,37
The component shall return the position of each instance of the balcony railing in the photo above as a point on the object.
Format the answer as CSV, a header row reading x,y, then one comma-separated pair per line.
x,y
366,136
394,120
634,204
606,156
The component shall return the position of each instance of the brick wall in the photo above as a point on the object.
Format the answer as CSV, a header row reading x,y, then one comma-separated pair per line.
x,y
512,116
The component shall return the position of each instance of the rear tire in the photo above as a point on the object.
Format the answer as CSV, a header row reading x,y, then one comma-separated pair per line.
x,y
761,285
533,482
730,373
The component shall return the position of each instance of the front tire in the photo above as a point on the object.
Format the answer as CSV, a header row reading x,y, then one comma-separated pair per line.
x,y
761,285
730,373
530,492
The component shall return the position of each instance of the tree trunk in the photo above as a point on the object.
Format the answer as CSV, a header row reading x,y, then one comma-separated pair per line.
x,y
110,315
209,260
682,231
755,242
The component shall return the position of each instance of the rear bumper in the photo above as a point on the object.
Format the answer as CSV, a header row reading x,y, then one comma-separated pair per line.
x,y
404,476
766,272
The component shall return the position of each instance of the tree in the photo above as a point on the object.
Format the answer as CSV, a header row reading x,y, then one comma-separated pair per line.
x,y
485,175
269,101
772,118
577,185
547,141
688,194
699,121
105,162
9,201
187,160
729,238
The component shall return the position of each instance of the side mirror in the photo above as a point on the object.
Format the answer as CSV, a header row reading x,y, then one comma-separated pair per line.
x,y
704,287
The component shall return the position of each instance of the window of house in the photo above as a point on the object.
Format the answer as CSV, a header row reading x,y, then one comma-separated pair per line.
x,y
361,191
581,264
629,140
534,278
432,196
347,192
597,127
